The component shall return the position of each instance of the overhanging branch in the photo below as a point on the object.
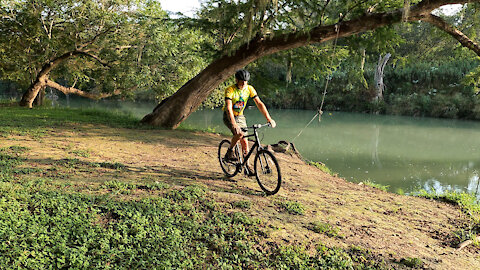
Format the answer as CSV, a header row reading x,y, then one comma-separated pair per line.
x,y
78,92
455,33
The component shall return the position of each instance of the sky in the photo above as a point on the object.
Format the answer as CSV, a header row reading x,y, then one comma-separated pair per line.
x,y
184,6
187,6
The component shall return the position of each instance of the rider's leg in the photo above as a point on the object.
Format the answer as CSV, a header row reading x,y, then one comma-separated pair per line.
x,y
235,139
244,143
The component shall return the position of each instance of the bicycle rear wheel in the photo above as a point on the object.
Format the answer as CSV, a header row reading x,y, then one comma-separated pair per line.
x,y
230,168
267,172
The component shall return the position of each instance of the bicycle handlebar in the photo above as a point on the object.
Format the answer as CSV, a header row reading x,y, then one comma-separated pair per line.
x,y
257,126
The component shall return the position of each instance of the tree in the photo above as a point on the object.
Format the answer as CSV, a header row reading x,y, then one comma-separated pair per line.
x,y
103,47
261,28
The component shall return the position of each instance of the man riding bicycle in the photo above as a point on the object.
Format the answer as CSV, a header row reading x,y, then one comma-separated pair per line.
x,y
236,97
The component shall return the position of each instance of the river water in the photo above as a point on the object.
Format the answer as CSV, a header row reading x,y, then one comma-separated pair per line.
x,y
405,153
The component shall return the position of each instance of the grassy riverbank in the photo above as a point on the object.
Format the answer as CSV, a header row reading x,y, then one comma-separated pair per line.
x,y
90,189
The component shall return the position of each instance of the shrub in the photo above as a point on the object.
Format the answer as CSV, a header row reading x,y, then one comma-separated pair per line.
x,y
291,207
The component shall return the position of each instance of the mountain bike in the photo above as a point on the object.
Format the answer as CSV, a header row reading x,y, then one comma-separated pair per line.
x,y
266,168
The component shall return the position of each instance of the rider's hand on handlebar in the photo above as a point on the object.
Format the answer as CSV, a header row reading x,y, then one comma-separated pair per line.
x,y
272,122
237,129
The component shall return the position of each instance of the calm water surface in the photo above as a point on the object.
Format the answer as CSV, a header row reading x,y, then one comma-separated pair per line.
x,y
405,153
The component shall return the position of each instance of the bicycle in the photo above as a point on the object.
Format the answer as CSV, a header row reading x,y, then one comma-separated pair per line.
x,y
266,168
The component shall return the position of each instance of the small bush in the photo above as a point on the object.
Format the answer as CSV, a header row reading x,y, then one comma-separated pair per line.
x,y
412,262
324,228
108,165
291,207
242,204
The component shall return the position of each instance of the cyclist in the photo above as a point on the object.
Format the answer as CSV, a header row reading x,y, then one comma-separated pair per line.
x,y
236,97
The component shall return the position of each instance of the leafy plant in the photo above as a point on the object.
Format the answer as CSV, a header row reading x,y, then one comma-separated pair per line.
x,y
469,205
412,262
324,228
322,167
242,204
291,207
375,185
81,153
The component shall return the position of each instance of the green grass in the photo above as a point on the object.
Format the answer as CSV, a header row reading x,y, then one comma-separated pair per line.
x,y
48,220
469,205
322,167
37,121
291,207
325,228
242,204
375,185
43,227
412,262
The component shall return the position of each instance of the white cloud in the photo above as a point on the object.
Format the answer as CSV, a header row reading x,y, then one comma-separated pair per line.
x,y
187,7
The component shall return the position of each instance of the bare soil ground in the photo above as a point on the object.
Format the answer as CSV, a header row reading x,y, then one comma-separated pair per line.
x,y
391,226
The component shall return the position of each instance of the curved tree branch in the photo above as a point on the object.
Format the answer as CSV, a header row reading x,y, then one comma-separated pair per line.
x,y
78,92
455,33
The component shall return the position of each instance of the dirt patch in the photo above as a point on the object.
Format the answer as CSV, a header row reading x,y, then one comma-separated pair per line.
x,y
391,226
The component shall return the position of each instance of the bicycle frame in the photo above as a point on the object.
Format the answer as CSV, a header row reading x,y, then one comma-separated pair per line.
x,y
255,145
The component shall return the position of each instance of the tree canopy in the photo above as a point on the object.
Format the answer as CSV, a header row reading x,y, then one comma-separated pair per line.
x,y
102,47
248,30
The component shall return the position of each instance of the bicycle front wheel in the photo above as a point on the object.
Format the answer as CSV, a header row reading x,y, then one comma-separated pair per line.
x,y
230,168
267,172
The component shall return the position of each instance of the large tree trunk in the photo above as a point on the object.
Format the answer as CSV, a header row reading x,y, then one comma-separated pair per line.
x,y
32,92
41,81
172,111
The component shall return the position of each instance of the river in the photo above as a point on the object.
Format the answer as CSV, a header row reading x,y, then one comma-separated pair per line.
x,y
404,153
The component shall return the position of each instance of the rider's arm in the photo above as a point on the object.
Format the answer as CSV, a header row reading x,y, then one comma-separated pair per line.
x,y
229,107
263,109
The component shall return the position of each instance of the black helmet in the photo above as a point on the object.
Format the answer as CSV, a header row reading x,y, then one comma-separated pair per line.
x,y
242,75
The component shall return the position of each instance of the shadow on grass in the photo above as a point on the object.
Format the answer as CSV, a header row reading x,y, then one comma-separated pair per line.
x,y
72,168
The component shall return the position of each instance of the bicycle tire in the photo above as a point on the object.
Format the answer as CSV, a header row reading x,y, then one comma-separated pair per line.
x,y
267,172
230,168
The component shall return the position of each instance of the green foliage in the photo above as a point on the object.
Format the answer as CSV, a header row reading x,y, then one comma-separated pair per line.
x,y
291,207
242,204
324,228
155,186
120,187
469,205
120,45
9,159
81,153
321,166
466,201
375,185
412,262
36,122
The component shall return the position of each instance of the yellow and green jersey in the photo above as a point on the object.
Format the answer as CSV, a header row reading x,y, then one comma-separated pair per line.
x,y
239,97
